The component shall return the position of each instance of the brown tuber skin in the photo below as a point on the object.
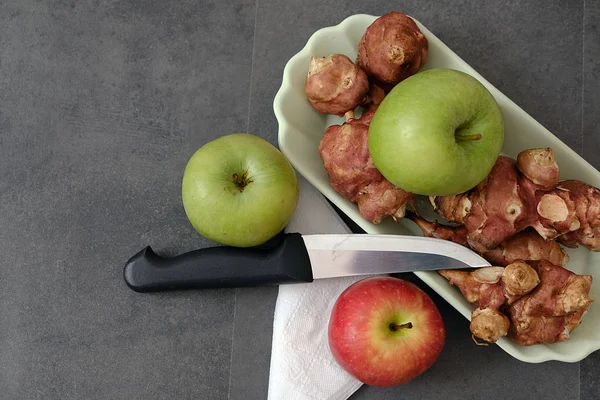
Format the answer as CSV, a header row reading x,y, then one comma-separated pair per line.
x,y
553,310
543,302
335,85
392,49
586,209
539,165
345,155
507,202
380,199
456,234
489,324
519,278
525,245
484,288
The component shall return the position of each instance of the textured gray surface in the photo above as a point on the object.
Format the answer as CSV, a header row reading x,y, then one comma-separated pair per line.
x,y
101,105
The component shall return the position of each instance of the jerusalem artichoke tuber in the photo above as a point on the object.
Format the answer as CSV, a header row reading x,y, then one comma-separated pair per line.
x,y
586,210
507,202
456,234
485,287
381,198
519,279
553,310
345,155
539,165
543,302
489,324
392,49
525,245
335,85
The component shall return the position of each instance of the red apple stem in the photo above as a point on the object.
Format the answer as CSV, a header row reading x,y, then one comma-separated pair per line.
x,y
349,115
396,327
468,137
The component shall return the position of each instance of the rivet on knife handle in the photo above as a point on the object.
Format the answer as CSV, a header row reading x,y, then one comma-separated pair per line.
x,y
220,267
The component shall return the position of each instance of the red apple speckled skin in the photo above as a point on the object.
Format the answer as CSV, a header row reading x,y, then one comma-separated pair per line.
x,y
363,342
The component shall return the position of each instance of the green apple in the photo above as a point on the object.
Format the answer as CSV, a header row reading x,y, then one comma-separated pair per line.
x,y
239,190
438,132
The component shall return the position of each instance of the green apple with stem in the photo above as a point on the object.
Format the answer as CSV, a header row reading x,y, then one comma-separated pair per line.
x,y
438,132
239,190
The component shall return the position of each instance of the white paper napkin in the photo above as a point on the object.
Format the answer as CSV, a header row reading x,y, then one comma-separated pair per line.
x,y
302,367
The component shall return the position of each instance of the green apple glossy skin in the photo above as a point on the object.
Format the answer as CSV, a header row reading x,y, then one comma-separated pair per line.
x,y
415,135
220,209
361,338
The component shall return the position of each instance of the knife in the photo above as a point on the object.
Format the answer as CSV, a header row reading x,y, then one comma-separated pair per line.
x,y
295,258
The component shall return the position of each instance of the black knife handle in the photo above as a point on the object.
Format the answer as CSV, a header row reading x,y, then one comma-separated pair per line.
x,y
221,267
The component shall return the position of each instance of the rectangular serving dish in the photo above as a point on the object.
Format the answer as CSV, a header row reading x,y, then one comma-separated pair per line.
x,y
301,129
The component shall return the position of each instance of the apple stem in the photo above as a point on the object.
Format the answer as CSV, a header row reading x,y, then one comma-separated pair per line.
x,y
241,181
468,137
395,327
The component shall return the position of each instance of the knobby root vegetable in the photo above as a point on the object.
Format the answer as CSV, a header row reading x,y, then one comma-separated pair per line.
x,y
530,303
381,198
488,324
392,49
335,85
508,202
526,245
351,172
490,210
519,279
539,165
456,234
583,202
553,310
483,287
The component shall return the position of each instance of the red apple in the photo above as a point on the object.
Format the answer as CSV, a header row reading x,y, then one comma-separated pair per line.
x,y
385,331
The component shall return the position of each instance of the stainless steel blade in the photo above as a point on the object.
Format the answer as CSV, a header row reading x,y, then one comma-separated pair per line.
x,y
335,255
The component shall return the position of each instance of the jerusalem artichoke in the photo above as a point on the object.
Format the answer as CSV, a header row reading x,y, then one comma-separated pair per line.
x,y
586,201
345,155
553,310
392,49
539,165
525,245
519,279
508,202
456,234
381,198
484,288
489,324
541,301
335,85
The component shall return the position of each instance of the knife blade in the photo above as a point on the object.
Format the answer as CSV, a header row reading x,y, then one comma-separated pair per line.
x,y
295,258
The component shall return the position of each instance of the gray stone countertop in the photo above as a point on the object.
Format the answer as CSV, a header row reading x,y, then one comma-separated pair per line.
x,y
101,105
